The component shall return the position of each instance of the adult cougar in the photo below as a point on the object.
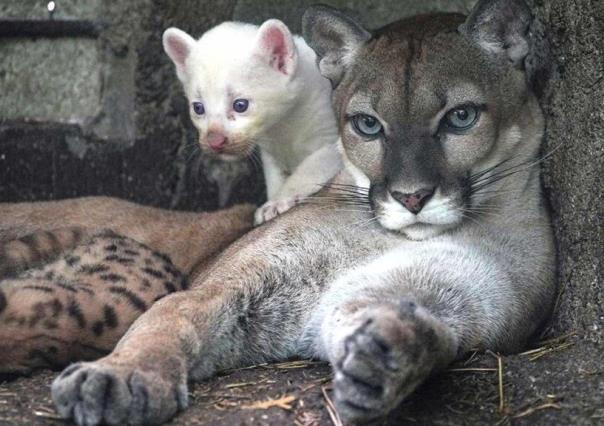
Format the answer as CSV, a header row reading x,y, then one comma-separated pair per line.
x,y
440,133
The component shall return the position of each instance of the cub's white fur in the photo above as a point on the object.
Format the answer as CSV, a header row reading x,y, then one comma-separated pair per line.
x,y
289,114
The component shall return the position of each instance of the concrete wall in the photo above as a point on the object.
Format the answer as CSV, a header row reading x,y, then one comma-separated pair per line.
x,y
132,137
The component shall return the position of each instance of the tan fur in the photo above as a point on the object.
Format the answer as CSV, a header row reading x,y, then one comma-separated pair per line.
x,y
180,234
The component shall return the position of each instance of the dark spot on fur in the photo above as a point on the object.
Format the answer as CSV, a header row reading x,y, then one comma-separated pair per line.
x,y
31,241
2,301
49,275
77,235
134,300
112,258
67,287
38,314
93,269
82,287
184,282
110,316
171,270
148,262
54,242
146,283
161,256
161,296
56,307
72,260
111,247
170,288
125,261
131,252
74,311
97,328
154,273
39,288
50,324
114,278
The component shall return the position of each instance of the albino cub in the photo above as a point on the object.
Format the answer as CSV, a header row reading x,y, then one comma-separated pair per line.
x,y
254,86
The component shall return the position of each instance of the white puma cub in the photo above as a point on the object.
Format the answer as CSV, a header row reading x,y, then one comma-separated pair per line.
x,y
254,86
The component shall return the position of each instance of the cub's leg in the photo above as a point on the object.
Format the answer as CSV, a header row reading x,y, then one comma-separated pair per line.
x,y
307,179
80,305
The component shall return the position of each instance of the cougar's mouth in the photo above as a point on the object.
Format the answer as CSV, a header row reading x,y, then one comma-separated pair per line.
x,y
439,213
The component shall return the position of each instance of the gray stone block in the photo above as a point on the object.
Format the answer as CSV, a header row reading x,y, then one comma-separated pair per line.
x,y
50,80
37,9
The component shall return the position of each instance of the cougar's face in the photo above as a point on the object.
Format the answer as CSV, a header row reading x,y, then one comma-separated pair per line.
x,y
423,113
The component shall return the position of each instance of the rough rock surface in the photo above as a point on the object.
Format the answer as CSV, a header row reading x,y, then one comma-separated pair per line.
x,y
574,174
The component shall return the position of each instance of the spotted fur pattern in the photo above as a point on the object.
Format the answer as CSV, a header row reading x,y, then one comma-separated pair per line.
x,y
81,303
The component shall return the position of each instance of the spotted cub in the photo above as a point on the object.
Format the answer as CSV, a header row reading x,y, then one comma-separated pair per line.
x,y
79,305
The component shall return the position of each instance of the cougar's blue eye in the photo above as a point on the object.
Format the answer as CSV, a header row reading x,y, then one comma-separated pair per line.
x,y
462,117
366,125
198,108
241,105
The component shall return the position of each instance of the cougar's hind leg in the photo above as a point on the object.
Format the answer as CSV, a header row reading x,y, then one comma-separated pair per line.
x,y
80,305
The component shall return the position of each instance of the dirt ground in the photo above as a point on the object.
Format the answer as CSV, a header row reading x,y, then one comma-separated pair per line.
x,y
561,382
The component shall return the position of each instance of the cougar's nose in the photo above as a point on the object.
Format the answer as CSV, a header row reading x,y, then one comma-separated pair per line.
x,y
217,141
414,202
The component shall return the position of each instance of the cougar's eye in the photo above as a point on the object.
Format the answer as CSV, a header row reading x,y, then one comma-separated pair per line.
x,y
366,125
241,105
462,117
198,108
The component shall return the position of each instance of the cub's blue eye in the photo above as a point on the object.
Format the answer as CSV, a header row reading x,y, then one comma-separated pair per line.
x,y
198,108
462,118
366,125
241,105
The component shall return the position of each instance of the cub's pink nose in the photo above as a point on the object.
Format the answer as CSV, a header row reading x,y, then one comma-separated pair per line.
x,y
217,141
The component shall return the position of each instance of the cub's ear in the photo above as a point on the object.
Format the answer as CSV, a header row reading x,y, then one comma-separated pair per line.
x,y
334,37
501,27
178,45
275,45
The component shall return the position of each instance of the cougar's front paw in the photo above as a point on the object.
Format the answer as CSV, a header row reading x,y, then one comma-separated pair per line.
x,y
272,209
383,360
99,393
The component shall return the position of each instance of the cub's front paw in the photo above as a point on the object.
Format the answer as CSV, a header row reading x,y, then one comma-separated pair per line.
x,y
383,360
100,393
274,208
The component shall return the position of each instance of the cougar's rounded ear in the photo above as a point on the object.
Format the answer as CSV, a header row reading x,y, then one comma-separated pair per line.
x,y
501,27
275,45
178,45
334,37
